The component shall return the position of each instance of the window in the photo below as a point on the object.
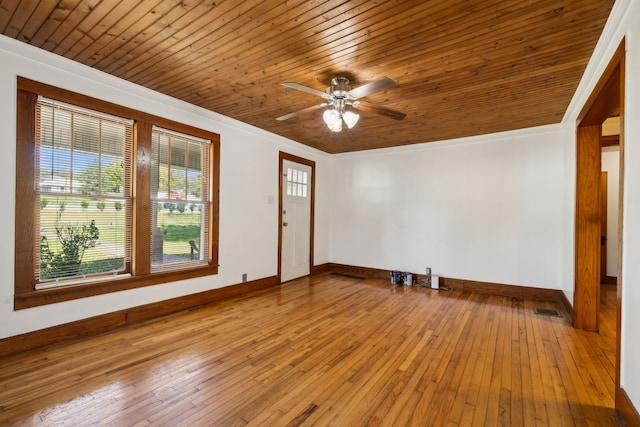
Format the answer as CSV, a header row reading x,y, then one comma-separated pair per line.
x,y
296,183
179,206
83,191
117,198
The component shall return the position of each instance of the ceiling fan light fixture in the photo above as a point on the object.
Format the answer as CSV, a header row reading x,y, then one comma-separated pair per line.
x,y
330,117
350,118
339,97
337,126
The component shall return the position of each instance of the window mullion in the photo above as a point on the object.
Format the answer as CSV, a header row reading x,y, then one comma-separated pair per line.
x,y
71,142
169,168
100,189
141,259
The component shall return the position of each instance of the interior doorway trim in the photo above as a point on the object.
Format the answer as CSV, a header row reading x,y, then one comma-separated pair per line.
x,y
606,100
281,158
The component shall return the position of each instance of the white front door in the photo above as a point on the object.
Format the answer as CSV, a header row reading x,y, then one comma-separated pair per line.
x,y
296,220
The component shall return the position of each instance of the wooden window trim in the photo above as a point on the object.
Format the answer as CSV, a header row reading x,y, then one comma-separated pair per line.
x,y
26,295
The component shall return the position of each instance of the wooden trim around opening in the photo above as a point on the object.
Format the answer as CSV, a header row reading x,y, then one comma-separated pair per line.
x,y
26,296
586,298
607,99
610,141
621,141
282,156
602,101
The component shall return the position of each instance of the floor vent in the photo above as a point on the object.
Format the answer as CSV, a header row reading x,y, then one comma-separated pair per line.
x,y
547,312
351,276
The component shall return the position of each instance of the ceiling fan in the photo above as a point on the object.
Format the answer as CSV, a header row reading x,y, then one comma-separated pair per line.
x,y
339,96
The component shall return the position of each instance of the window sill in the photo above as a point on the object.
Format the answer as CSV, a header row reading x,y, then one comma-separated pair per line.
x,y
85,280
70,292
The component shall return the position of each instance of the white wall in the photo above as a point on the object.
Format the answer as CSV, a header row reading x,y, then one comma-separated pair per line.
x,y
624,22
611,165
249,176
486,208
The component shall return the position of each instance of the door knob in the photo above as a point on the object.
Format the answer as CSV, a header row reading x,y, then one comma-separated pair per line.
x,y
284,224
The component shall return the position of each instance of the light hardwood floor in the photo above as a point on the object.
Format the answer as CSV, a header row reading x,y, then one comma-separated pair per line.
x,y
326,350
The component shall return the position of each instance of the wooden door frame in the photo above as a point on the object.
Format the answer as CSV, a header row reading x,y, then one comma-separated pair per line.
x,y
282,156
606,100
604,199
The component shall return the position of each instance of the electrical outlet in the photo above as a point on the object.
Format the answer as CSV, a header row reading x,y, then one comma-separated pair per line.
x,y
244,277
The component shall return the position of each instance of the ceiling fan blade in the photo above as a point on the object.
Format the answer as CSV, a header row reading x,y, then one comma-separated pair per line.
x,y
304,110
306,89
379,85
378,109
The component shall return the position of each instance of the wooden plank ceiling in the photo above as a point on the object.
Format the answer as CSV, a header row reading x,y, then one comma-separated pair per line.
x,y
463,67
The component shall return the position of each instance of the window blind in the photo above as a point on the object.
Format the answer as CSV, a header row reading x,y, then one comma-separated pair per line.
x,y
180,196
83,185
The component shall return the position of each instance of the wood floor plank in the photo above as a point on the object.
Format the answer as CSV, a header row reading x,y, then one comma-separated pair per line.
x,y
471,364
496,378
326,350
510,402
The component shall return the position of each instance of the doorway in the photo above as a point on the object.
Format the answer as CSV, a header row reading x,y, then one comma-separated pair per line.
x,y
606,101
296,204
604,199
609,201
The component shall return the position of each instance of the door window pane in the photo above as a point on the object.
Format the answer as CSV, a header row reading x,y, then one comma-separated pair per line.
x,y
296,183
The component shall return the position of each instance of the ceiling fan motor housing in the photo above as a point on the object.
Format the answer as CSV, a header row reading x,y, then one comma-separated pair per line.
x,y
339,87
